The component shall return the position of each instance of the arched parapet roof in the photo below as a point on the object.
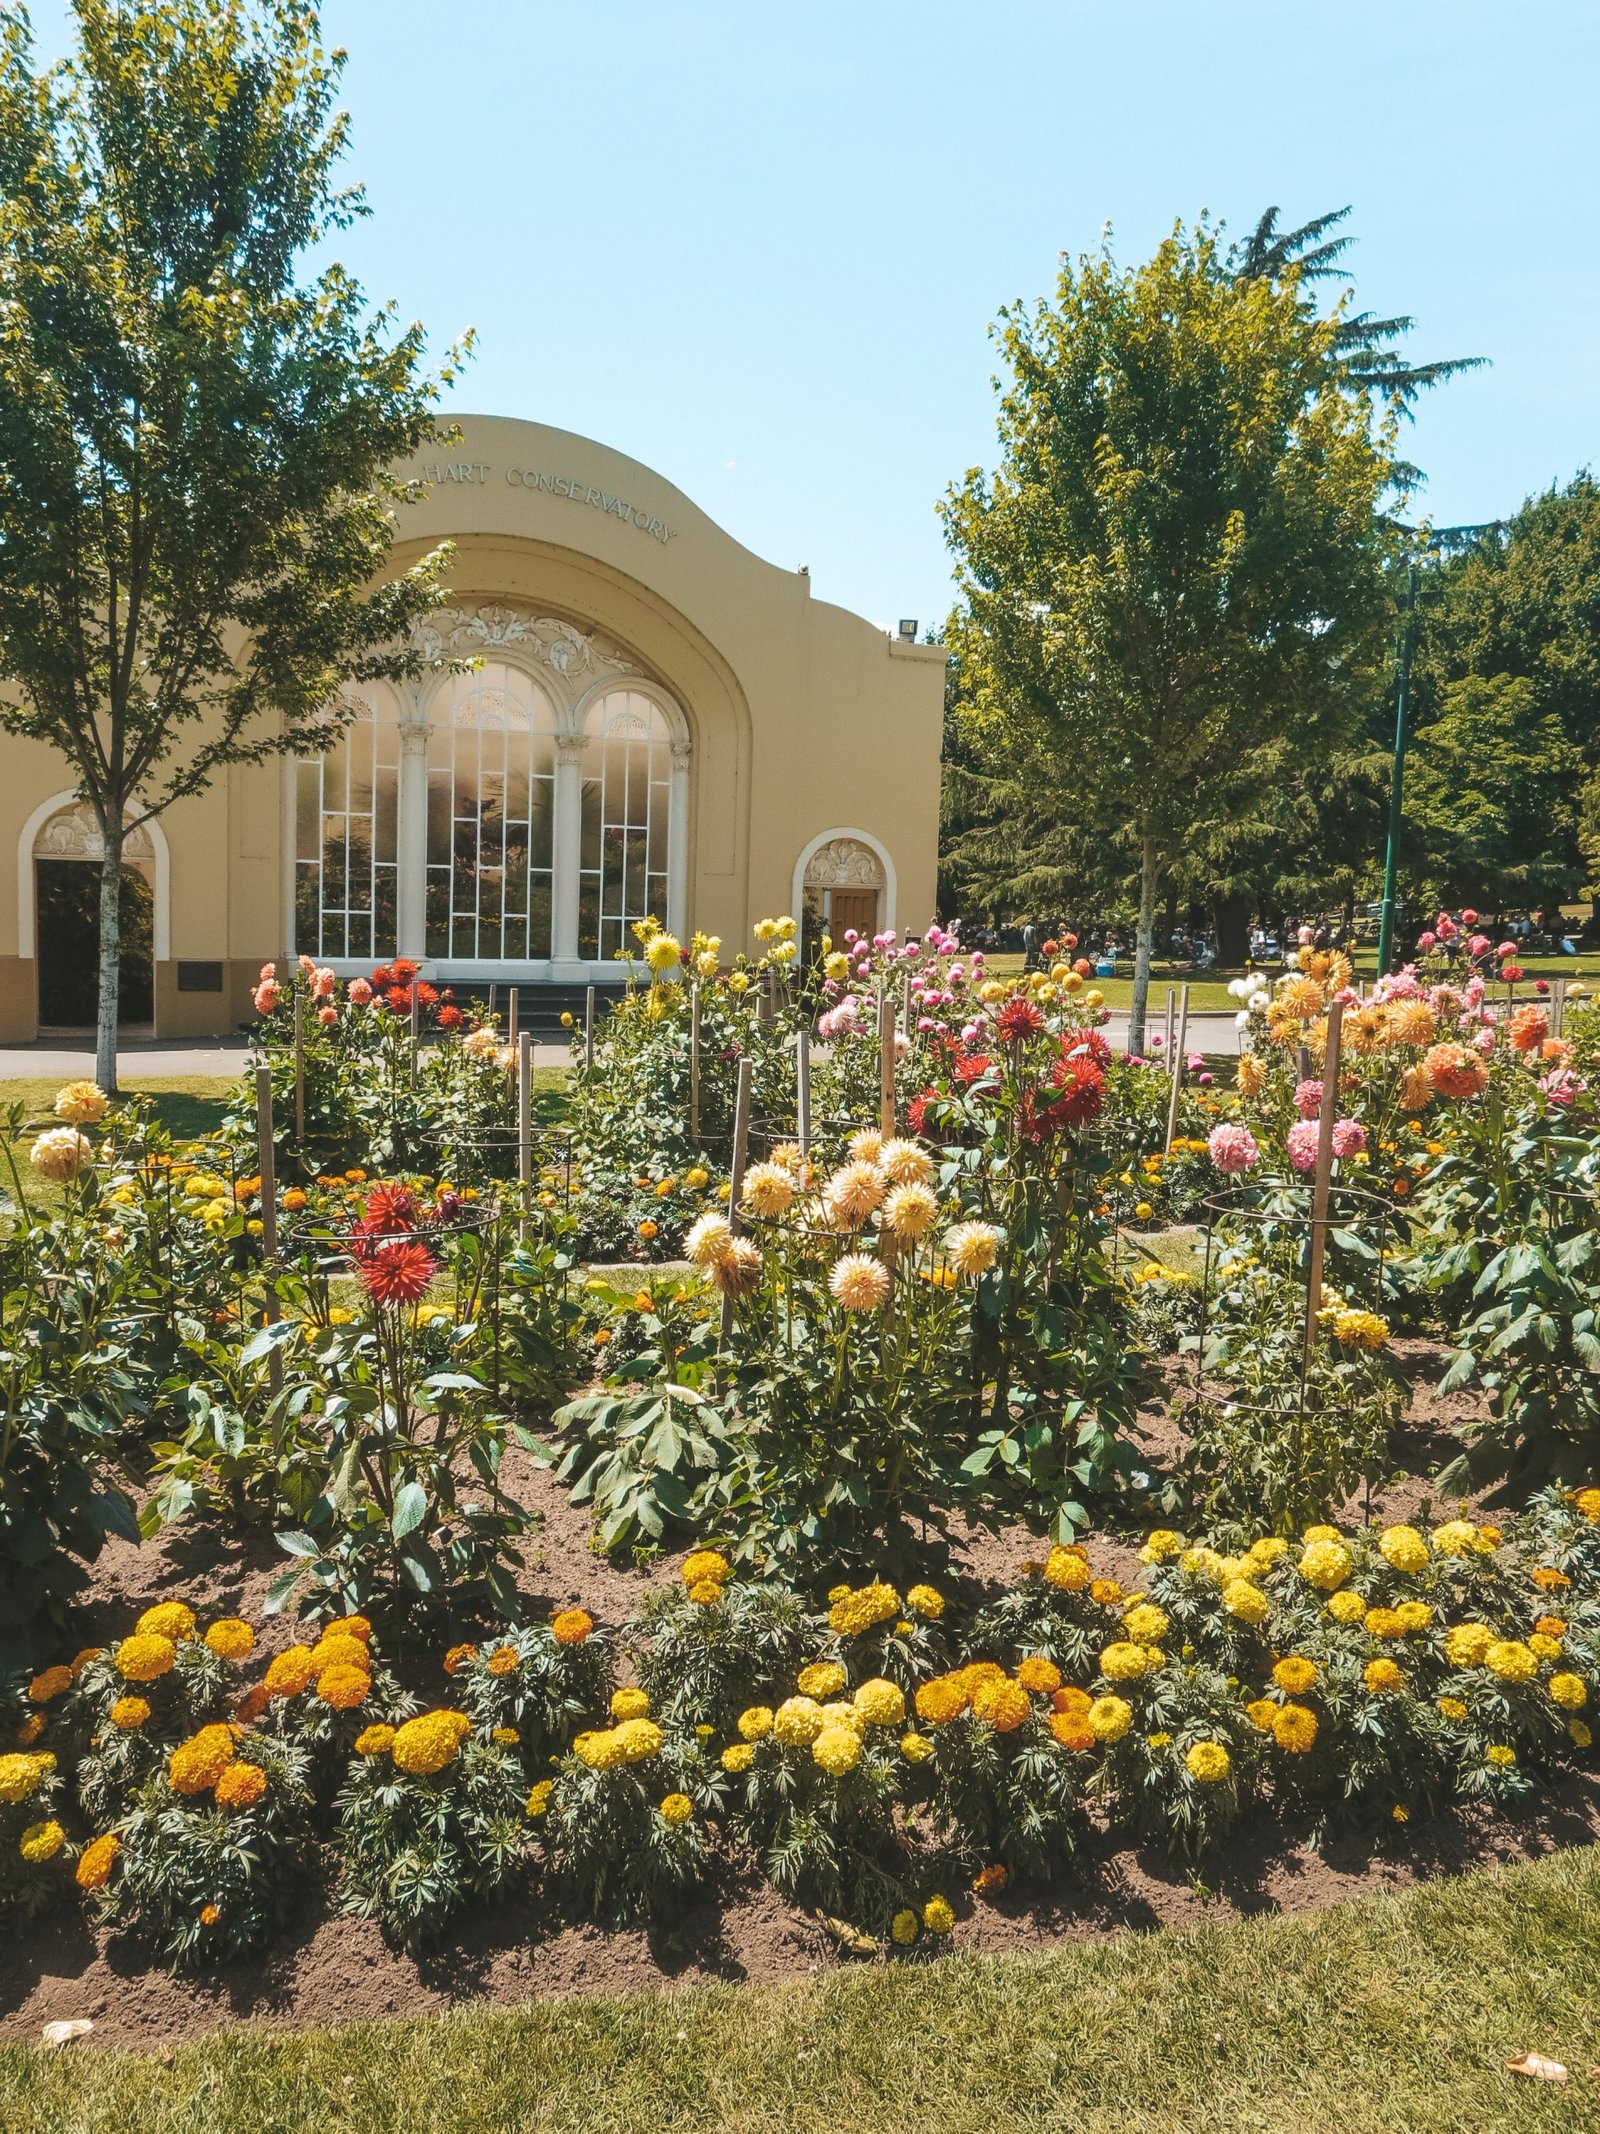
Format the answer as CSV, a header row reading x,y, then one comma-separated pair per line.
x,y
80,839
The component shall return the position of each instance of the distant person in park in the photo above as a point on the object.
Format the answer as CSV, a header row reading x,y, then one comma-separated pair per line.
x,y
1030,946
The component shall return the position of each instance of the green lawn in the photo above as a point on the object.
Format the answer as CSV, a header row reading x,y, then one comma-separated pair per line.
x,y
1391,2016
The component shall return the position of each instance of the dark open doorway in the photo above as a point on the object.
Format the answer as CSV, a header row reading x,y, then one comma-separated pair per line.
x,y
68,946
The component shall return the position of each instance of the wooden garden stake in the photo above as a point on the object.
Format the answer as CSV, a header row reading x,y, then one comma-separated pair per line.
x,y
416,1019
588,1030
1558,1006
802,1104
766,1004
741,1139
267,1167
1170,998
1176,1065
1324,1175
511,1018
299,1063
524,1121
694,1063
886,1036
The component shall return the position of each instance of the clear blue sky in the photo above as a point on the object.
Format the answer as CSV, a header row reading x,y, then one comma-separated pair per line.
x,y
759,247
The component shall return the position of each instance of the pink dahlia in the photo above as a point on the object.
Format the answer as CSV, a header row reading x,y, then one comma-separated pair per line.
x,y
1301,1143
1233,1148
1308,1098
1349,1138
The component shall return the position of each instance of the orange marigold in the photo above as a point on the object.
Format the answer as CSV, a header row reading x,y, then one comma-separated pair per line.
x,y
1039,1674
1071,1730
289,1673
195,1765
96,1861
457,1657
503,1660
1002,1705
344,1687
572,1626
241,1786
53,1683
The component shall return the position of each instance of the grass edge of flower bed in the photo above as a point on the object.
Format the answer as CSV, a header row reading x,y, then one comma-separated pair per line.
x,y
1394,2011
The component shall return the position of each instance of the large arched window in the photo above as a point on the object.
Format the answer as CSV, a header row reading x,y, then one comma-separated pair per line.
x,y
491,809
626,808
346,837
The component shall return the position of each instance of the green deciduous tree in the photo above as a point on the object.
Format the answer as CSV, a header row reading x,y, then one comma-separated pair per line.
x,y
1180,555
195,431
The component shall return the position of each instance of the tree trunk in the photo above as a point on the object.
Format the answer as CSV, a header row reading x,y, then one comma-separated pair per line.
x,y
105,1055
1149,870
1230,916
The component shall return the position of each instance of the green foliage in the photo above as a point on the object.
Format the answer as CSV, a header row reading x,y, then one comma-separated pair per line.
x,y
1179,559
704,1660
530,1681
1012,1797
1492,790
417,1850
610,1847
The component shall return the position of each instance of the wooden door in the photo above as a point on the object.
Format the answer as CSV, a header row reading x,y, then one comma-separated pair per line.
x,y
854,907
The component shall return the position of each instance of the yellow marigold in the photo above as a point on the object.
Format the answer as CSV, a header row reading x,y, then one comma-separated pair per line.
x,y
797,1722
1384,1623
1002,1706
572,1626
195,1765
41,1842
739,1756
231,1639
837,1749
96,1861
862,1609
1502,1757
925,1601
1404,1548
423,1746
1209,1762
1452,1708
1161,1546
1146,1623
538,1801
241,1786
289,1673
1582,1736
756,1722
350,1626
344,1687
167,1619
1570,1691
375,1740
1262,1712
1295,1674
145,1657
1263,1554
676,1808
506,1736
937,1916
1587,1502
1123,1661
1207,1563
1245,1601
1068,1568
1542,1647
1325,1564
706,1592
915,1748
1382,1677
630,1703
53,1683
823,1678
637,1740
1040,1675
1511,1660
1414,1615
1294,1728
1348,1606
702,1564
1109,1718
1459,1537
881,1703
903,1928
336,1650
130,1713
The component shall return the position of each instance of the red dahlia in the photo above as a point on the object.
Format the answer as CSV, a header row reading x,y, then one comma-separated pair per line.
x,y
388,1209
1019,1019
399,1272
450,1018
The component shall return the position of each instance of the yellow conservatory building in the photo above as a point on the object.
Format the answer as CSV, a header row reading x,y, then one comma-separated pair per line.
x,y
656,721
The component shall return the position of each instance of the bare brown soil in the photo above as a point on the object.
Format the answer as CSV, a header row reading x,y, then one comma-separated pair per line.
x,y
329,1967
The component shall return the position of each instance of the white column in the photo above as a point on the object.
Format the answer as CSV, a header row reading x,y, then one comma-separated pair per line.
x,y
566,847
411,840
288,853
678,842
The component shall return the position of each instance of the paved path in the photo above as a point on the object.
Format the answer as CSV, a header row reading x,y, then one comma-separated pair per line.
x,y
1212,1032
212,1056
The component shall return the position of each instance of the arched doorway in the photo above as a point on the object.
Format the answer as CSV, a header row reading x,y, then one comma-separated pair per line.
x,y
842,888
66,869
